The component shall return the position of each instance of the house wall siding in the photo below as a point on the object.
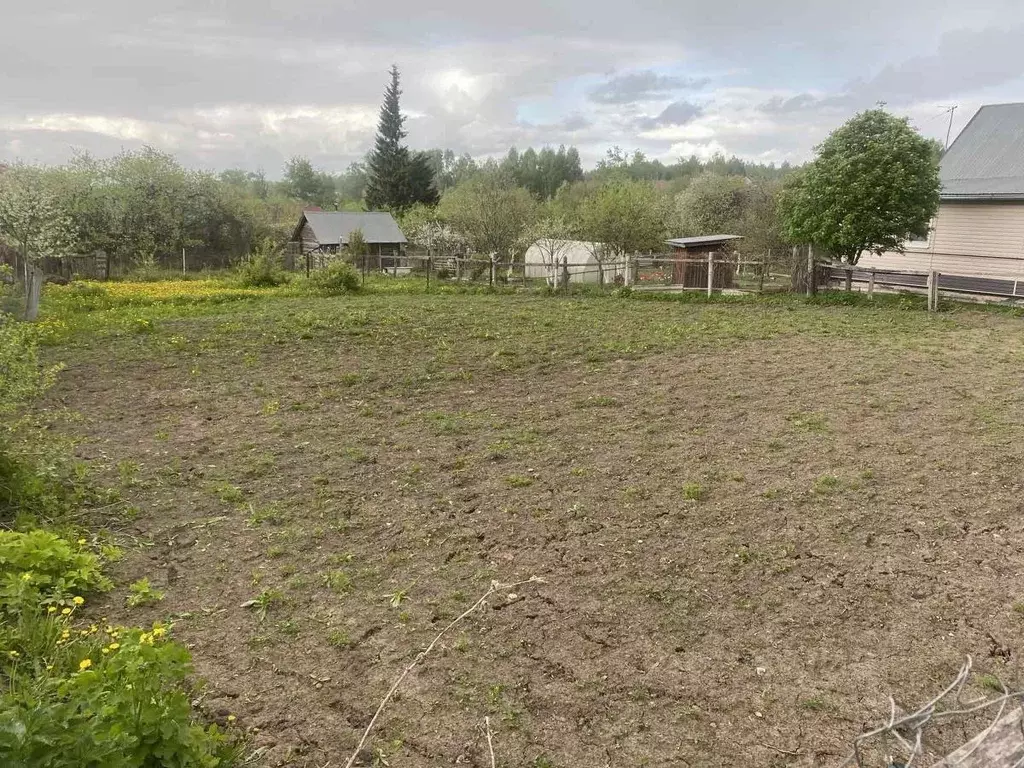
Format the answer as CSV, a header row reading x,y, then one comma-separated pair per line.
x,y
976,239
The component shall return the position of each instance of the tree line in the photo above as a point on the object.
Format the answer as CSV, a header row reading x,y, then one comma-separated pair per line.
x,y
873,183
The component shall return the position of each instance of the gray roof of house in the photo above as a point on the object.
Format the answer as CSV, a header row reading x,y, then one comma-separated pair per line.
x,y
686,242
987,159
335,226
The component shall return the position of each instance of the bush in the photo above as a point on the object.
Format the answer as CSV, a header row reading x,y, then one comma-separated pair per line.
x,y
38,568
335,279
263,270
105,697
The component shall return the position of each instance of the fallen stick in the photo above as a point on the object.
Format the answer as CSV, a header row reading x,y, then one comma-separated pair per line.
x,y
490,744
495,586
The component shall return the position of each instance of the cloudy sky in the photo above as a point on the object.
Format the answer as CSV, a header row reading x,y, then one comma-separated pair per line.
x,y
248,83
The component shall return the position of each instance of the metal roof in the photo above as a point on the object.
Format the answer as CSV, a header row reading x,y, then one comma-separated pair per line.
x,y
334,226
987,159
686,242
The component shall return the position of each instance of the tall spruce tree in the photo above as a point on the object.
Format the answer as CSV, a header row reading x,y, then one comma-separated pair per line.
x,y
397,179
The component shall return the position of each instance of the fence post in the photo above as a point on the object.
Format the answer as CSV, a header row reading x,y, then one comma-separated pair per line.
x,y
849,279
428,270
711,271
811,277
493,262
871,285
933,291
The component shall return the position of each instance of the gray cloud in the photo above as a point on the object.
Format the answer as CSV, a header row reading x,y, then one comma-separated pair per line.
x,y
252,83
632,87
676,113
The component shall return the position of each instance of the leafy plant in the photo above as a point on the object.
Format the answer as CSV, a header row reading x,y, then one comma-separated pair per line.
x,y
263,269
265,601
396,598
40,568
336,279
115,698
141,592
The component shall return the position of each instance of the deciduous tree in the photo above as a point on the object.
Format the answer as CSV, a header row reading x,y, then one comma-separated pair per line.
x,y
622,217
874,183
492,213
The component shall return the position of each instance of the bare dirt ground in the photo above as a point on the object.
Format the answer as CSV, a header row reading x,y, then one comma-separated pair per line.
x,y
753,524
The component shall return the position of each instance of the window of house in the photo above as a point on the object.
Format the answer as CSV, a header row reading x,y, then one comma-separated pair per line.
x,y
916,241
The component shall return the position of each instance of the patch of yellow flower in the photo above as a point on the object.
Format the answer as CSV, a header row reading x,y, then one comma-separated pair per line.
x,y
176,291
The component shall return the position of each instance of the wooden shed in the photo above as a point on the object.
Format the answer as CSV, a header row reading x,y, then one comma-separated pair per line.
x,y
320,233
691,271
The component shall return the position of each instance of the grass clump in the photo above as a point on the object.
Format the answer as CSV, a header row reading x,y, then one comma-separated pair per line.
x,y
693,492
518,481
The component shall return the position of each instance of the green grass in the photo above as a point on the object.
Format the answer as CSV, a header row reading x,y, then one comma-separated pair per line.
x,y
693,491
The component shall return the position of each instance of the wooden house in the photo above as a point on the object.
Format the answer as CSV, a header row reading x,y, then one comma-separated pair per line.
x,y
691,269
320,234
979,228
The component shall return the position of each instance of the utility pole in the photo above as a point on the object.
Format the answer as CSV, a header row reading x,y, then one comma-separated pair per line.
x,y
949,130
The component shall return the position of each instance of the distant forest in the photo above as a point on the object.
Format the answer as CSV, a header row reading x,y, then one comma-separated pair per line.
x,y
542,172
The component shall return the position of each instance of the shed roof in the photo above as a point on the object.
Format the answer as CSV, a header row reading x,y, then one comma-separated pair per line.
x,y
335,226
987,159
689,242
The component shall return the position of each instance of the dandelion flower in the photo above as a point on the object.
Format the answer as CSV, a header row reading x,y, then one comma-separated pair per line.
x,y
114,646
26,576
65,611
84,664
81,542
52,609
13,654
77,600
231,718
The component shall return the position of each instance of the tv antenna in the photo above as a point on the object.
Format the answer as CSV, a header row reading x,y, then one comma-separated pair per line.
x,y
951,110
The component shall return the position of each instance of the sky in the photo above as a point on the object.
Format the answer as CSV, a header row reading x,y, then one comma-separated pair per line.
x,y
248,84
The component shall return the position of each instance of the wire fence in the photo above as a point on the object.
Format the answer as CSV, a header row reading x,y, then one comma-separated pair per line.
x,y
671,272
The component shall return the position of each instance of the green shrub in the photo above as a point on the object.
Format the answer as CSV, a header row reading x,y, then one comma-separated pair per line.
x,y
335,279
38,568
263,270
109,698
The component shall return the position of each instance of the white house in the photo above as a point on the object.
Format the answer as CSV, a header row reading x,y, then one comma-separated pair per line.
x,y
979,229
578,258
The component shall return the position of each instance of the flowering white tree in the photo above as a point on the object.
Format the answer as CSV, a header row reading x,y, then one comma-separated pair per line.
x,y
33,222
